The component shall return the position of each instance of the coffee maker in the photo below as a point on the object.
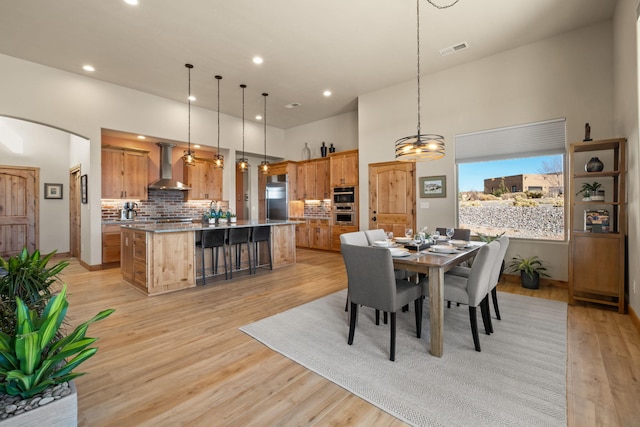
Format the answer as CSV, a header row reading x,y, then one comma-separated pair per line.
x,y
129,212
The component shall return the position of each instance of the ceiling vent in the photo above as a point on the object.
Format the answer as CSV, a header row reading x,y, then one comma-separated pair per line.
x,y
455,48
292,105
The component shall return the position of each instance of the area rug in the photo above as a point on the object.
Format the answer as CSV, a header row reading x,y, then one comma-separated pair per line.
x,y
517,380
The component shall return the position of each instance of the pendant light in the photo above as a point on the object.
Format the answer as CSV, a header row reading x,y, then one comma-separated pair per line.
x,y
243,163
218,160
264,165
420,146
189,156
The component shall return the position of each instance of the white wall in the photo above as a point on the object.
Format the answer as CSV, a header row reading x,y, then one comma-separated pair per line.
x,y
50,150
341,131
625,66
84,106
570,76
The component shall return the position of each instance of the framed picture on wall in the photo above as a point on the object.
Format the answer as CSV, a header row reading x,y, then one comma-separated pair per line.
x,y
83,188
52,191
433,186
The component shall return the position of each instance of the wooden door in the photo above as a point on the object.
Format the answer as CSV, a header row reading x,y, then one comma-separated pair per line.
x,y
18,209
74,212
392,197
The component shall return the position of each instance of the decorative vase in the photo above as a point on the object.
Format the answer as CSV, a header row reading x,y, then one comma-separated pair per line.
x,y
332,149
306,152
598,196
323,150
594,165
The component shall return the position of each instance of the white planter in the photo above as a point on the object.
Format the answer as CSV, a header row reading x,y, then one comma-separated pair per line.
x,y
233,219
62,412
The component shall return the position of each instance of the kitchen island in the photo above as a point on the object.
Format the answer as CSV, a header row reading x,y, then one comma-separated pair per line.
x,y
161,258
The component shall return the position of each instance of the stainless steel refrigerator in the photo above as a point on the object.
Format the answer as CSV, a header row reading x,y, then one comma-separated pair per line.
x,y
276,200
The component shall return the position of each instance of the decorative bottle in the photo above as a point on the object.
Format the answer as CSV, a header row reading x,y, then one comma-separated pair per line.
x,y
323,150
332,149
594,165
306,152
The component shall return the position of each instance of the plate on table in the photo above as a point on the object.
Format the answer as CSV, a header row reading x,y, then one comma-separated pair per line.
x,y
442,238
399,252
443,249
403,239
459,243
383,243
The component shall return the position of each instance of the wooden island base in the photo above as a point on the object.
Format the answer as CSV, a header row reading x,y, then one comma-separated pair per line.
x,y
161,258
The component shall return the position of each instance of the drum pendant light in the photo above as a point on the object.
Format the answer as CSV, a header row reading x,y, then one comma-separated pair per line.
x,y
218,160
243,163
421,146
264,165
189,156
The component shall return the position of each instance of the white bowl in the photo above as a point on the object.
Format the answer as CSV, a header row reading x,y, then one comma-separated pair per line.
x,y
443,249
459,243
382,243
403,239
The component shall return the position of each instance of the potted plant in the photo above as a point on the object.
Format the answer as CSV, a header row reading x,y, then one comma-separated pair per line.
x,y
531,269
591,192
233,217
37,357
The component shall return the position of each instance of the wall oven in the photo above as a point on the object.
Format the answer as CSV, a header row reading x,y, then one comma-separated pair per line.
x,y
344,217
344,202
344,195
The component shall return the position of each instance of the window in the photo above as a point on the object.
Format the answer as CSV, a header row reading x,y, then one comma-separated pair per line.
x,y
511,180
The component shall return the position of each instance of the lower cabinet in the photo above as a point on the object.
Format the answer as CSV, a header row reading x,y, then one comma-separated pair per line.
x,y
133,264
302,234
319,234
110,245
336,231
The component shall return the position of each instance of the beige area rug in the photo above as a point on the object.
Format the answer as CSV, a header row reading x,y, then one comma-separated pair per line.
x,y
519,378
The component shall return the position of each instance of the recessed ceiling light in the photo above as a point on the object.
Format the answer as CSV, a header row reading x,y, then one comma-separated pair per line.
x,y
258,117
257,60
131,2
88,68
142,137
327,93
191,98
196,145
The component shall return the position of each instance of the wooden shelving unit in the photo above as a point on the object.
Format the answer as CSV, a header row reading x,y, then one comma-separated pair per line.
x,y
597,260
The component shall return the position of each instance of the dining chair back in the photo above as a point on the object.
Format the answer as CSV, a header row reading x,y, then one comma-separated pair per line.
x,y
354,238
458,233
371,282
213,239
375,234
236,237
261,233
496,273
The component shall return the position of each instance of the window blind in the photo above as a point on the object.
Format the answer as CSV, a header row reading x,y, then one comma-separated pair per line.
x,y
527,140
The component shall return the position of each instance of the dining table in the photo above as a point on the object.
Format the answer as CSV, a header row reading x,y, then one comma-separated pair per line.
x,y
435,265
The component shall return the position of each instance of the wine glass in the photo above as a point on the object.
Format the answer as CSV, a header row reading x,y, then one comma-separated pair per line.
x,y
450,233
389,238
408,233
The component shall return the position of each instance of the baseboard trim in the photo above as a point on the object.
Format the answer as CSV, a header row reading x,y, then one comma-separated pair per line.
x,y
515,278
90,267
634,317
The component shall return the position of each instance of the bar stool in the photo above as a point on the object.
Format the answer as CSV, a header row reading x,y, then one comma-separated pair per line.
x,y
261,233
212,239
236,237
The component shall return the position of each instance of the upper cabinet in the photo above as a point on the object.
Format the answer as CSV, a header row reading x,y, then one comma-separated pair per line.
x,y
124,173
204,180
344,168
313,179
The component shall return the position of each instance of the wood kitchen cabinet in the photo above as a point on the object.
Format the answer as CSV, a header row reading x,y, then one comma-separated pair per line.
x,y
302,233
336,231
124,173
319,234
126,255
343,168
110,245
204,180
313,179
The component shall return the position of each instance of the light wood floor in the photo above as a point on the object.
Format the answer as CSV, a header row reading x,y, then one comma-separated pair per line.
x,y
179,359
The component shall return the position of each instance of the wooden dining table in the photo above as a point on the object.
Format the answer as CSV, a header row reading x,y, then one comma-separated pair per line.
x,y
435,265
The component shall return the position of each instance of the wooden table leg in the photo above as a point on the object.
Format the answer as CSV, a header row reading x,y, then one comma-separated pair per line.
x,y
436,310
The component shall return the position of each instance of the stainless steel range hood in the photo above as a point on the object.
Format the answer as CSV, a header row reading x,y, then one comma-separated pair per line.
x,y
166,181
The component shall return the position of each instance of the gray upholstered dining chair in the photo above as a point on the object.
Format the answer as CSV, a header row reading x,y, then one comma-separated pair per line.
x,y
458,233
357,238
378,234
373,284
472,290
496,275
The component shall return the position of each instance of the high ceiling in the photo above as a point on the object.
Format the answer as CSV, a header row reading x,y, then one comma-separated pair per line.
x,y
350,47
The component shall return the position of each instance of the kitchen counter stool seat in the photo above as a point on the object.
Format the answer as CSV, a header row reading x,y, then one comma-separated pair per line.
x,y
261,233
212,239
235,239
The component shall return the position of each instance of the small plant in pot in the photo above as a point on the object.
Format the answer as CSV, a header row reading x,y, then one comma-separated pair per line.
x,y
531,269
591,192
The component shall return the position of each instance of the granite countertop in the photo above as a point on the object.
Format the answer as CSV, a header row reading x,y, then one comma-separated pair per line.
x,y
177,227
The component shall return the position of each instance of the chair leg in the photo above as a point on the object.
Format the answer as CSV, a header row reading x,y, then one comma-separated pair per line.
x,y
378,317
204,271
224,257
494,297
385,318
352,322
393,337
418,309
448,304
486,315
249,256
474,327
230,262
